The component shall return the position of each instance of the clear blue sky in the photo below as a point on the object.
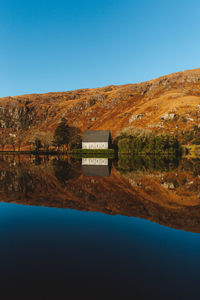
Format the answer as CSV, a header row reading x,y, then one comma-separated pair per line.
x,y
49,45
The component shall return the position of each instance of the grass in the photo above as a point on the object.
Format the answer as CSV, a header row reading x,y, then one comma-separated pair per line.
x,y
90,155
95,151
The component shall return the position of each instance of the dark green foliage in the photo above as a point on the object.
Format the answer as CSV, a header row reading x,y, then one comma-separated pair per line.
x,y
75,137
67,136
152,144
61,135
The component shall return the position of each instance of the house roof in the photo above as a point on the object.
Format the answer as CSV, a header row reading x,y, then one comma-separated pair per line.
x,y
96,136
96,170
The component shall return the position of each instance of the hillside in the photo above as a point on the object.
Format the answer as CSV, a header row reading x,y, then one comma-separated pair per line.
x,y
167,104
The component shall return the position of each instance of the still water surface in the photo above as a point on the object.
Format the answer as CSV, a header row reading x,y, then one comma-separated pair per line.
x,y
65,234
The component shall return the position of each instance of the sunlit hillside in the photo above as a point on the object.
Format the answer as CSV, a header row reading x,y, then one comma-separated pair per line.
x,y
167,104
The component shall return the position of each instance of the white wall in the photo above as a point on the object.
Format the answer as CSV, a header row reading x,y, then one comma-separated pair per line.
x,y
95,145
95,161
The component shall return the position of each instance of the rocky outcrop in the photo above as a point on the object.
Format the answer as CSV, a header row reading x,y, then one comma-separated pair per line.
x,y
17,115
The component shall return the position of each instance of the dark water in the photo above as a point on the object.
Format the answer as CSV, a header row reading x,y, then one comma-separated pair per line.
x,y
65,235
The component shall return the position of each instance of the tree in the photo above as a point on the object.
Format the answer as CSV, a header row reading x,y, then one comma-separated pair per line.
x,y
46,139
11,141
2,143
30,142
38,144
35,141
62,134
20,135
74,137
3,137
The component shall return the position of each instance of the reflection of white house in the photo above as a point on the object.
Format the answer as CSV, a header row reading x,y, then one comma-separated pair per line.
x,y
94,161
96,139
96,166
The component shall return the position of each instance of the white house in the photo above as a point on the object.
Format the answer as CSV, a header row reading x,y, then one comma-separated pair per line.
x,y
96,139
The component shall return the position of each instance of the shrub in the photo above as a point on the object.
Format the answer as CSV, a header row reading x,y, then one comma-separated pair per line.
x,y
146,142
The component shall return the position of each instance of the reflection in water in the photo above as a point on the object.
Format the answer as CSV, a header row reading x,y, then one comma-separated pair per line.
x,y
49,253
165,191
65,170
96,166
127,163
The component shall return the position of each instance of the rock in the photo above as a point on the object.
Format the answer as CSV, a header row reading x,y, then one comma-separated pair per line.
x,y
93,119
169,116
168,185
134,117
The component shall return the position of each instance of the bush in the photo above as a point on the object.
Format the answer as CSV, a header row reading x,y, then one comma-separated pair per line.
x,y
147,144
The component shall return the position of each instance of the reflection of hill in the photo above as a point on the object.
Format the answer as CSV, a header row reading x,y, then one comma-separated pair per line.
x,y
170,198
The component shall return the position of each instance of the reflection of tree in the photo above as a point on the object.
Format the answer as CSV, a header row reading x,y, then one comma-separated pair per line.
x,y
64,170
25,177
37,160
128,163
16,180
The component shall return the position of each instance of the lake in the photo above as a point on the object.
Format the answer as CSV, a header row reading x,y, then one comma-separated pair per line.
x,y
90,227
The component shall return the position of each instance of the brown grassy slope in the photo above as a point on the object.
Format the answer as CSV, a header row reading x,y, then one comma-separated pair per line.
x,y
112,107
